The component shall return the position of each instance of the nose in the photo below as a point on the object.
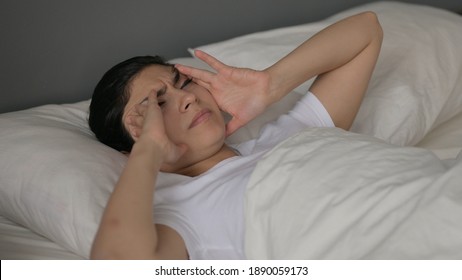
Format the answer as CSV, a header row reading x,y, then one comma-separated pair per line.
x,y
187,99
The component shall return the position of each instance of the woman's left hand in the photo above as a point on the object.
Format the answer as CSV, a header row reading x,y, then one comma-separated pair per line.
x,y
241,92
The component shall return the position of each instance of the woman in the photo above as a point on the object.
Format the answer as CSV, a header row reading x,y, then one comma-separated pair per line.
x,y
169,119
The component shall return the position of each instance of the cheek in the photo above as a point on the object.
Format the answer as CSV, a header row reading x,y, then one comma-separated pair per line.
x,y
172,125
175,125
215,130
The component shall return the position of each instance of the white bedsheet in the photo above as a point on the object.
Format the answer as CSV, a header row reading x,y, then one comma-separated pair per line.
x,y
310,198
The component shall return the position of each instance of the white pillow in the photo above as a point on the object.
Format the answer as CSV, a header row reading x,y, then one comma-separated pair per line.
x,y
416,84
55,177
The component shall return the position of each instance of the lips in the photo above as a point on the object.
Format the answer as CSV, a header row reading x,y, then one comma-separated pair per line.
x,y
202,116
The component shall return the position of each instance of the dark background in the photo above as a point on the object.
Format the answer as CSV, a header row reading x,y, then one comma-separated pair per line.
x,y
54,51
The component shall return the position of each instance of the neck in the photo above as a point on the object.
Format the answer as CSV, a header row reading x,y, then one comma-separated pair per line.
x,y
203,166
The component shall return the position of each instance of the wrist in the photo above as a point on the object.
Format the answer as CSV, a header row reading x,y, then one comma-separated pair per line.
x,y
145,147
277,87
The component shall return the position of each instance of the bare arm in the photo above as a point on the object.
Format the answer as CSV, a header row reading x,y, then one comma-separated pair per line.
x,y
127,230
342,55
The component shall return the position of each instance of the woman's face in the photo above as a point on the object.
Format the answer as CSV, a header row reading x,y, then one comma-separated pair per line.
x,y
191,115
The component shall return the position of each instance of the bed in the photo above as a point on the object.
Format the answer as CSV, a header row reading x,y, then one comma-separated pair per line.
x,y
56,178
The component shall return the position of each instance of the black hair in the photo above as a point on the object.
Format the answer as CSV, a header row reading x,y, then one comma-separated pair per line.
x,y
109,99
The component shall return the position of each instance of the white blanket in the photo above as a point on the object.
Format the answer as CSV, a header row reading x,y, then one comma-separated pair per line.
x,y
331,194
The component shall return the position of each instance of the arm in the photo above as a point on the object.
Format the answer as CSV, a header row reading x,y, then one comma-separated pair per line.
x,y
127,230
343,57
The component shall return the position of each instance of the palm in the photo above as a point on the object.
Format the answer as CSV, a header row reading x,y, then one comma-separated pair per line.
x,y
241,92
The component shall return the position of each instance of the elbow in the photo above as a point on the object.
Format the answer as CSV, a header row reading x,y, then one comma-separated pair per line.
x,y
112,243
112,249
98,253
104,249
372,20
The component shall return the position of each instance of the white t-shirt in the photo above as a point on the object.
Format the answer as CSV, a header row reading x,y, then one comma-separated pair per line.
x,y
208,210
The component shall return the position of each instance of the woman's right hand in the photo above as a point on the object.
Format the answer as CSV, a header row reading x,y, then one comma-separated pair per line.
x,y
126,229
146,125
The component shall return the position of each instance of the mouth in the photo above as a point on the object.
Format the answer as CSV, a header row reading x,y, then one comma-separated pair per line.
x,y
202,116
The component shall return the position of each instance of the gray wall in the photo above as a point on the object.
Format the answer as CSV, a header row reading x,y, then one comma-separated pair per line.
x,y
54,51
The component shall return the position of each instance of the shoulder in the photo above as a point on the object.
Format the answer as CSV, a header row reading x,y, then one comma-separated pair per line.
x,y
308,111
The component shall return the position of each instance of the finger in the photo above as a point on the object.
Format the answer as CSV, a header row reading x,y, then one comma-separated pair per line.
x,y
210,60
202,84
195,73
136,121
140,109
152,98
147,104
134,129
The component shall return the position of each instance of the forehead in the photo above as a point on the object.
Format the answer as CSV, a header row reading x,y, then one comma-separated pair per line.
x,y
150,78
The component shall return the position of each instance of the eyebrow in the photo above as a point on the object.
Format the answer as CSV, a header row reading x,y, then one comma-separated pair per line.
x,y
175,79
163,90
176,74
